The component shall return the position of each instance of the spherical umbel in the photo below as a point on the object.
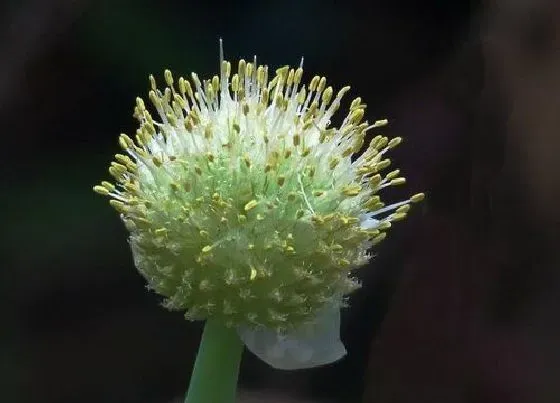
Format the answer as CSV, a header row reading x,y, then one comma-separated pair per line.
x,y
244,204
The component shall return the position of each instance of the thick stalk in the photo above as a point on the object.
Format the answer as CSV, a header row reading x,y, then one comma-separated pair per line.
x,y
214,377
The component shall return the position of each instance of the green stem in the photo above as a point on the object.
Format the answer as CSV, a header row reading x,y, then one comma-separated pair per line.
x,y
214,377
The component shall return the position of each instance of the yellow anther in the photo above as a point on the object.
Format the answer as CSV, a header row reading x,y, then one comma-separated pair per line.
x,y
253,274
166,95
403,209
157,161
260,76
310,111
272,84
153,84
352,189
168,77
215,84
189,126
108,185
290,79
160,231
383,164
358,143
343,91
140,104
250,205
356,116
178,104
250,69
314,82
206,249
381,142
373,203
346,153
242,66
118,167
182,86
155,99
297,76
322,84
125,142
101,190
394,142
301,96
264,100
384,225
118,205
418,197
117,174
393,174
355,103
397,217
398,181
381,123
364,169
172,119
375,180
225,68
203,233
196,80
188,89
131,187
235,83
282,72
327,95
279,100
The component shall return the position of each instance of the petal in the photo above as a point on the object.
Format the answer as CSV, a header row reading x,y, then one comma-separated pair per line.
x,y
308,346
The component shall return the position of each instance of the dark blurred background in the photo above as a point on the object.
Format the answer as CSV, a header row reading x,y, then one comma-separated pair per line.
x,y
461,303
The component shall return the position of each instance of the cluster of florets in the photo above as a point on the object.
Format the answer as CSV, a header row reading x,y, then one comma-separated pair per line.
x,y
244,204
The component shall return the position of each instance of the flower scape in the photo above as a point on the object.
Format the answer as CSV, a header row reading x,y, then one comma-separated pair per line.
x,y
244,204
